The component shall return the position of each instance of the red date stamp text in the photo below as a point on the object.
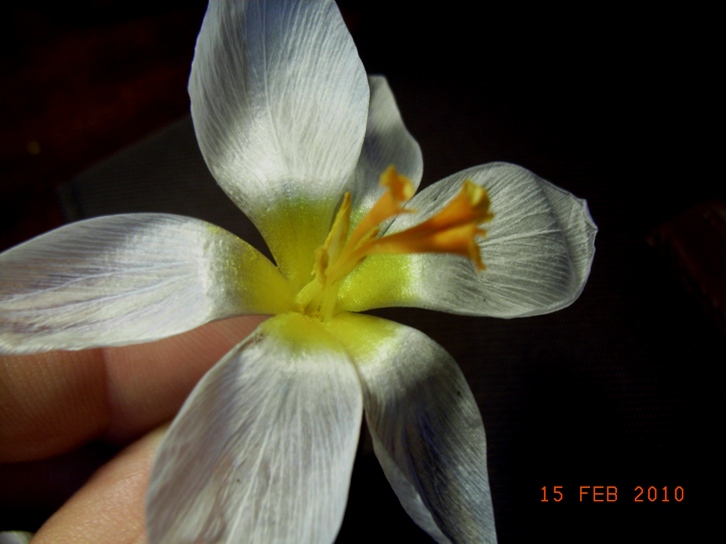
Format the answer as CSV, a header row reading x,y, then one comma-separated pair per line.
x,y
611,493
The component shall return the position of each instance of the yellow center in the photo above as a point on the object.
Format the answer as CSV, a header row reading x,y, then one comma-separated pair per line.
x,y
452,230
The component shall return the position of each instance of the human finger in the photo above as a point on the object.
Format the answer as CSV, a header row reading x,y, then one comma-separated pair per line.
x,y
53,402
110,507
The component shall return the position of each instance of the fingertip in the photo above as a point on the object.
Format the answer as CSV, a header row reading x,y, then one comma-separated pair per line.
x,y
54,402
111,506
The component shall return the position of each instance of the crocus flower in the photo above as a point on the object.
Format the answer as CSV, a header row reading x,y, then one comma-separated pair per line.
x,y
316,154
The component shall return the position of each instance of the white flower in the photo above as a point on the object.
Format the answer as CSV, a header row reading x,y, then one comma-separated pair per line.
x,y
298,137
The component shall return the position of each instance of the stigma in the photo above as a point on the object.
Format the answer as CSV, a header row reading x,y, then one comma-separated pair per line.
x,y
454,229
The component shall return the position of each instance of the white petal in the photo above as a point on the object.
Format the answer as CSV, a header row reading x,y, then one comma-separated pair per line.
x,y
538,252
387,143
15,537
126,279
263,450
279,102
426,428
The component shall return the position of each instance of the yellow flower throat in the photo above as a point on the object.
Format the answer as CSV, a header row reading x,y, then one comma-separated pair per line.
x,y
452,230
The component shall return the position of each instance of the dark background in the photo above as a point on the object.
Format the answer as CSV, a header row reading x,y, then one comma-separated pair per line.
x,y
613,104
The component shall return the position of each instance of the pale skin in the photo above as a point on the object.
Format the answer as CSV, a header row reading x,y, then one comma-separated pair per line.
x,y
53,403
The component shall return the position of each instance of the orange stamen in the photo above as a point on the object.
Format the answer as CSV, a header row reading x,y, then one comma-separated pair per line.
x,y
453,229
399,190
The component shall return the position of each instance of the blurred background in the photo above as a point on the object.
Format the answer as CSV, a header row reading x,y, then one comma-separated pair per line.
x,y
611,103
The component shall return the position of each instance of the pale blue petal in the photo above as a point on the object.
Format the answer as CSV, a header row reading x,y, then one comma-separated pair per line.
x,y
426,428
387,143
